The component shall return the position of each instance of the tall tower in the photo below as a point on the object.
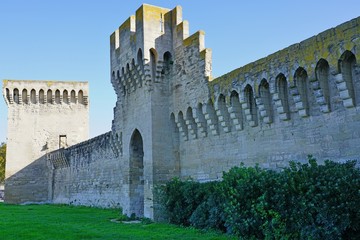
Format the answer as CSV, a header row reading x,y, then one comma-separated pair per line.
x,y
42,116
152,56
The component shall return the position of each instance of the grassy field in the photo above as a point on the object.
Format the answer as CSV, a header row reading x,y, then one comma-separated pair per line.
x,y
68,222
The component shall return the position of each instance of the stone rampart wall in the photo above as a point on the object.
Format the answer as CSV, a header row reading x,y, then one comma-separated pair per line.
x,y
88,173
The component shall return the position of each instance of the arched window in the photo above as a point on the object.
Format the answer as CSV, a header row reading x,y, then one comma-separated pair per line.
x,y
153,59
57,96
41,96
80,97
72,96
49,96
347,64
24,96
264,92
65,96
16,96
301,82
167,62
322,75
33,96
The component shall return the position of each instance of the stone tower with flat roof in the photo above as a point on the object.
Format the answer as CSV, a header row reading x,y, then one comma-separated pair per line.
x,y
42,116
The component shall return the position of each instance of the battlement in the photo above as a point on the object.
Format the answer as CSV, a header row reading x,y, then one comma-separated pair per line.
x,y
148,44
329,46
45,92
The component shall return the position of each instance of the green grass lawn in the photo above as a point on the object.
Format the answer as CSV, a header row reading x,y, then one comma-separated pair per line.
x,y
68,222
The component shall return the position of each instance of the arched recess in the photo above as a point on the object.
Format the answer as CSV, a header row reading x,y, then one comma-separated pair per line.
x,y
282,95
235,110
16,96
80,97
136,174
65,96
72,96
190,122
222,113
140,60
322,75
49,96
8,94
33,96
57,96
24,96
153,60
264,93
167,62
251,110
347,64
41,96
301,82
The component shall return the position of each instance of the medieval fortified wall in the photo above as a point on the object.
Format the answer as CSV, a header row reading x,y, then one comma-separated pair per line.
x,y
172,119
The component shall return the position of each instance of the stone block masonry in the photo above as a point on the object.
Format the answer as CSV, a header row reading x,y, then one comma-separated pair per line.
x,y
171,119
42,116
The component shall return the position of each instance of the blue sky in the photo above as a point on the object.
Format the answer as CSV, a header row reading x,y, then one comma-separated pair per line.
x,y
69,39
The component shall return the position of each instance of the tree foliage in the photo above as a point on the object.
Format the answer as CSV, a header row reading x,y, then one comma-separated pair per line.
x,y
2,161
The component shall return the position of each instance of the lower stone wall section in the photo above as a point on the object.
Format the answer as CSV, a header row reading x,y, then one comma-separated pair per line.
x,y
334,136
28,185
92,178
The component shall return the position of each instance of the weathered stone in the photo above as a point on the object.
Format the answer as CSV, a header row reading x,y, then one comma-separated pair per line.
x,y
172,119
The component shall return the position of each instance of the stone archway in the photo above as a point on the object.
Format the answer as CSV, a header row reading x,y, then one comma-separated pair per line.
x,y
136,174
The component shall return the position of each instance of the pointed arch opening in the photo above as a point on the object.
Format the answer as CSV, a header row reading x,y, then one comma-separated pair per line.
x,y
264,93
168,62
301,82
281,86
153,60
72,96
57,96
24,96
136,174
33,96
140,60
80,97
322,75
49,96
250,100
16,96
41,96
347,63
8,94
65,96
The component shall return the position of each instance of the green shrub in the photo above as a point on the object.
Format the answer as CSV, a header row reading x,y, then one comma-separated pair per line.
x,y
304,201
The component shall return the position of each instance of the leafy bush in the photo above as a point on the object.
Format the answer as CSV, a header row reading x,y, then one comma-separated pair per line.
x,y
304,201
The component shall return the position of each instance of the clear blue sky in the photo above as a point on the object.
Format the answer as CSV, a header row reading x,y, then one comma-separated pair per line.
x,y
69,39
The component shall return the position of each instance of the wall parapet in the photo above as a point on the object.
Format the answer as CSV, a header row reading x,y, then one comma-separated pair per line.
x,y
45,92
328,45
63,158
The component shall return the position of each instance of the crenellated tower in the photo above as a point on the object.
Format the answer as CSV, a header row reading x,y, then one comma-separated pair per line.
x,y
153,62
42,116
